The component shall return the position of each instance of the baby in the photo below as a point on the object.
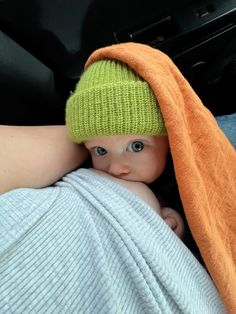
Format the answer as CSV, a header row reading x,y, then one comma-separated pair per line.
x,y
115,114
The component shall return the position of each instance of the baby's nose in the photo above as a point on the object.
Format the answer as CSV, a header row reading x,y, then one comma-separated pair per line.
x,y
118,168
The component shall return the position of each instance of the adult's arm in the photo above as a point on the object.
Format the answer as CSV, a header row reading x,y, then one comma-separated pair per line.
x,y
36,156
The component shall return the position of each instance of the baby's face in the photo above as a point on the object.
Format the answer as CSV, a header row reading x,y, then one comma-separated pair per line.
x,y
130,157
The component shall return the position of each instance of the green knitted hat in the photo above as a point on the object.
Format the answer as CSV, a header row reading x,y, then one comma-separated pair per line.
x,y
111,99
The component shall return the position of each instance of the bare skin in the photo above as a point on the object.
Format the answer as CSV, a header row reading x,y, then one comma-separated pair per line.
x,y
36,156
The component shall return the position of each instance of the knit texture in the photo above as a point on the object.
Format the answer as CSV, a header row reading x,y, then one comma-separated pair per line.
x,y
88,245
110,99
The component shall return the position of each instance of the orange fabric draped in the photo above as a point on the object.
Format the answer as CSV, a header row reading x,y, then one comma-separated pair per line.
x,y
204,160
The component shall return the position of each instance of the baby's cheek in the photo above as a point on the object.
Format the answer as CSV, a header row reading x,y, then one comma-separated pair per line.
x,y
101,164
96,164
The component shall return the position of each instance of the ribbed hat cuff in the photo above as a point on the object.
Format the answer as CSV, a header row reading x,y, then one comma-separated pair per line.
x,y
132,109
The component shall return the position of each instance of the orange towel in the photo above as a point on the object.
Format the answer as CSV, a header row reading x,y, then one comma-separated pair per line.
x,y
204,161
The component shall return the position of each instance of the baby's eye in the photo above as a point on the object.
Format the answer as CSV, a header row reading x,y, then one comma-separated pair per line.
x,y
136,146
100,151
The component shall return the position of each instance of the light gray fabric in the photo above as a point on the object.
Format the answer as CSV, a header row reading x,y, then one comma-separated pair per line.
x,y
88,245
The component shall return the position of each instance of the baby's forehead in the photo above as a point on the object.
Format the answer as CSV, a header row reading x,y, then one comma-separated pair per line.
x,y
116,139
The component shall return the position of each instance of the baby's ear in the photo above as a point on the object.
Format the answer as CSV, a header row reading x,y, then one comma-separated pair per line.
x,y
173,220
